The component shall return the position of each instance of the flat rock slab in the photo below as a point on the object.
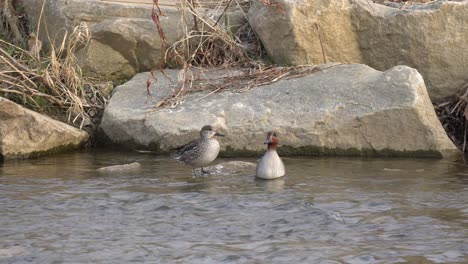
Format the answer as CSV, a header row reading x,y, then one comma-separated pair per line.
x,y
25,133
342,109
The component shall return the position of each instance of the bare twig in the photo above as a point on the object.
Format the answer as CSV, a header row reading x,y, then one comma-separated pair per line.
x,y
273,3
192,9
453,114
58,82
464,137
223,13
209,44
321,43
191,81
156,13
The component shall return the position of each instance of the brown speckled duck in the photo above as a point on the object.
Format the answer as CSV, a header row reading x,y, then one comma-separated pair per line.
x,y
199,152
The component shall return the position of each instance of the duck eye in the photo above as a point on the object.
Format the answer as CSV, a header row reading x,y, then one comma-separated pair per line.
x,y
274,134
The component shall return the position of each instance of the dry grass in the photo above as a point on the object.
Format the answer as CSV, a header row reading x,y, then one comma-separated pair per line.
x,y
51,83
211,43
453,114
275,4
209,38
235,80
10,26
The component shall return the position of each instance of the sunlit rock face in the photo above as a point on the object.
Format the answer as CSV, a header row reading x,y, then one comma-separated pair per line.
x,y
24,133
341,109
428,37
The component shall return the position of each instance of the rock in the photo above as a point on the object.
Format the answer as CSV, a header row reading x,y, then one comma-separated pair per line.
x,y
125,39
429,37
124,168
13,251
99,59
25,133
232,168
342,109
106,88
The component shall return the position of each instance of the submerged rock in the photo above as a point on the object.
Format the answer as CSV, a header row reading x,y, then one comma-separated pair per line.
x,y
342,109
124,168
14,251
232,168
430,37
25,133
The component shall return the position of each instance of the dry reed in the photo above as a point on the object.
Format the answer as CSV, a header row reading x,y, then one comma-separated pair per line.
x,y
453,114
210,41
52,83
10,25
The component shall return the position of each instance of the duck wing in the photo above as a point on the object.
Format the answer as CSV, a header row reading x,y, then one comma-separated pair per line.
x,y
186,151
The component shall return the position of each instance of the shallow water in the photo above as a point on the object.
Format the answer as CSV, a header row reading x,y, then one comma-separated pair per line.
x,y
327,210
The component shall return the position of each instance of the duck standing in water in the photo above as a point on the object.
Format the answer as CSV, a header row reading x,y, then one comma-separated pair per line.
x,y
270,165
199,152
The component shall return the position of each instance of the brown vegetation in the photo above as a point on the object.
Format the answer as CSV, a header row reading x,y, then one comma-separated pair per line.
x,y
52,82
10,25
453,114
211,42
49,82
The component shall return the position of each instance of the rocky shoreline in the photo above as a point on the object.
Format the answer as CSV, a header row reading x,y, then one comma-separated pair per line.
x,y
341,109
373,96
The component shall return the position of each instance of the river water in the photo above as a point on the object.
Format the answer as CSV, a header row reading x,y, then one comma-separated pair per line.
x,y
326,210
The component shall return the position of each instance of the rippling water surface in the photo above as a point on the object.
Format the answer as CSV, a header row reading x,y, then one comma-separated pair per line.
x,y
327,210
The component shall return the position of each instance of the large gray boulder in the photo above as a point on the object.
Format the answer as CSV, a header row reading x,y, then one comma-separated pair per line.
x,y
342,109
25,133
125,39
429,37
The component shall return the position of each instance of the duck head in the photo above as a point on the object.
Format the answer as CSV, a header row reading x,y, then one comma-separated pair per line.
x,y
209,132
272,140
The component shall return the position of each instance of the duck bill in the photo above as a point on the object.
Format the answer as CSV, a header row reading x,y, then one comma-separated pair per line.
x,y
268,141
218,134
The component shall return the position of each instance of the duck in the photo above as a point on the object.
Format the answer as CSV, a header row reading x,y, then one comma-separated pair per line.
x,y
270,166
199,152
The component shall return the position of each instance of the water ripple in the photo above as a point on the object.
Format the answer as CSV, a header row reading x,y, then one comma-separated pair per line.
x,y
319,213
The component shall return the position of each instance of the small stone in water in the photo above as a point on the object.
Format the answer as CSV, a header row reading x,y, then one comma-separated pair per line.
x,y
131,167
13,252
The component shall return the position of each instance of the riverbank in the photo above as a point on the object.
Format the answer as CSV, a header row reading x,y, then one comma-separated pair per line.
x,y
344,107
